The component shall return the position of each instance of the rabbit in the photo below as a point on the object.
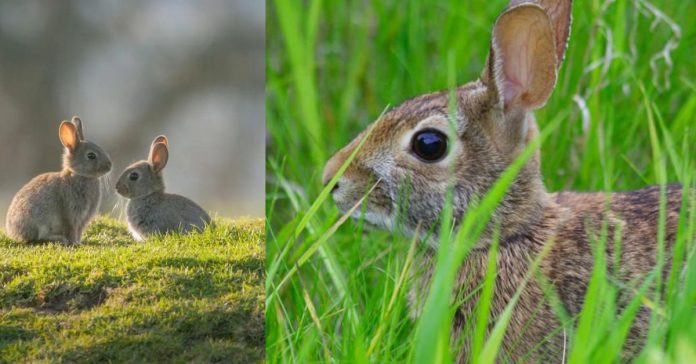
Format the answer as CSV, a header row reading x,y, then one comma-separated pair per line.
x,y
58,206
415,143
150,210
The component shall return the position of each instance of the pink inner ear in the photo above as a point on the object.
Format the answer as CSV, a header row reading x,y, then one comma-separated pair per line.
x,y
159,156
68,135
511,89
526,57
559,12
516,64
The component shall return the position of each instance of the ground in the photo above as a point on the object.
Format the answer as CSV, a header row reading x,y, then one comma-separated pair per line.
x,y
196,298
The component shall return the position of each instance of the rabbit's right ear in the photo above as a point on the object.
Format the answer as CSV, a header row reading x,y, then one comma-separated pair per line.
x,y
159,155
560,13
78,123
68,135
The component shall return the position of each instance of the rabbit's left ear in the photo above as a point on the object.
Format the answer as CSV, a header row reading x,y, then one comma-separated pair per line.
x,y
68,135
160,139
78,124
522,60
159,155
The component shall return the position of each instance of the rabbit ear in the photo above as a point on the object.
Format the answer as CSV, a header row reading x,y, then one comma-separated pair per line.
x,y
160,139
521,69
68,135
560,13
159,155
78,123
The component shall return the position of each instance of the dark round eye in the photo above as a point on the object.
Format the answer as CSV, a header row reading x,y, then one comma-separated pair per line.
x,y
133,176
430,145
91,155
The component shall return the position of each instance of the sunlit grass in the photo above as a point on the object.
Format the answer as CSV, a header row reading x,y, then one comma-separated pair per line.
x,y
192,298
621,118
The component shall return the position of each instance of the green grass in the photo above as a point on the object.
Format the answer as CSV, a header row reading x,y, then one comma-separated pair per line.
x,y
622,117
193,298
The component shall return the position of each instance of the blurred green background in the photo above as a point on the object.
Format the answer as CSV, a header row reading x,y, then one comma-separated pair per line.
x,y
133,70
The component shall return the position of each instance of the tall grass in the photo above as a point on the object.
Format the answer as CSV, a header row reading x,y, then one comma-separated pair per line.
x,y
621,117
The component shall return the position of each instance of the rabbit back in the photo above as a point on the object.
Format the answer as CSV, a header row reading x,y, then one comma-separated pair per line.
x,y
631,221
53,207
161,213
572,224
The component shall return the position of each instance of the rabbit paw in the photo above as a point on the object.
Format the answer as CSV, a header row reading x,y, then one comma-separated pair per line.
x,y
58,239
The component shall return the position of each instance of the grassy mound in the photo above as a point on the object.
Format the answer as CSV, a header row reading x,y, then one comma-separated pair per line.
x,y
175,298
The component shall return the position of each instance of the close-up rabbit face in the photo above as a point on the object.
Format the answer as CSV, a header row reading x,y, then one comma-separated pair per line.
x,y
414,152
82,157
145,177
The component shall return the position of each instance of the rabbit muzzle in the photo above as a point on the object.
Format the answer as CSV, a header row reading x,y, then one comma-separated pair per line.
x,y
105,168
122,189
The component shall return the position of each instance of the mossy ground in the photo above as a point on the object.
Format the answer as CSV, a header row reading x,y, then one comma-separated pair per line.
x,y
193,298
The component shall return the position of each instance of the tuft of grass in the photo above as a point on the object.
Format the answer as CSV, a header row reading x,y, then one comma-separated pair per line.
x,y
174,298
621,117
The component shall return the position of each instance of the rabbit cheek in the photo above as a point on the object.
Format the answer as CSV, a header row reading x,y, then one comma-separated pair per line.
x,y
425,202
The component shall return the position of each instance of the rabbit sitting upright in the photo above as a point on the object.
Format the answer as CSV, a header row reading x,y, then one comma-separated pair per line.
x,y
150,210
414,143
58,206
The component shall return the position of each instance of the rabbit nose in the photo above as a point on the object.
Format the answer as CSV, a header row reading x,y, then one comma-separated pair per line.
x,y
329,172
335,186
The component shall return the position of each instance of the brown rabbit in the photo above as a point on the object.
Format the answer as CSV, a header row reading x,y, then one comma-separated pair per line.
x,y
150,209
58,206
494,124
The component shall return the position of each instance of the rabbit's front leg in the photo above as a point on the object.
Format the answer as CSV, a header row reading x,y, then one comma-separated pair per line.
x,y
80,231
76,238
74,235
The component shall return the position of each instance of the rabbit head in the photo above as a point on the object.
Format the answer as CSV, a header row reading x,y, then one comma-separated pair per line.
x,y
82,157
145,177
414,152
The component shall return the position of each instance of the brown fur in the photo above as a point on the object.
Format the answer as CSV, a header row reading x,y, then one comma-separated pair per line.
x,y
493,125
572,223
58,206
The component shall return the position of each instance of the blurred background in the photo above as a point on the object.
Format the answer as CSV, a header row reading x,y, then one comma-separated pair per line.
x,y
193,70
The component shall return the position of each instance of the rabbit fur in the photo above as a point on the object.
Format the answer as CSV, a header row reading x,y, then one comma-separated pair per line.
x,y
58,206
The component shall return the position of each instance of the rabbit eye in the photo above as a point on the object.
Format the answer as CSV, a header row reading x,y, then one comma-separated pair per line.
x,y
133,176
91,156
429,145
